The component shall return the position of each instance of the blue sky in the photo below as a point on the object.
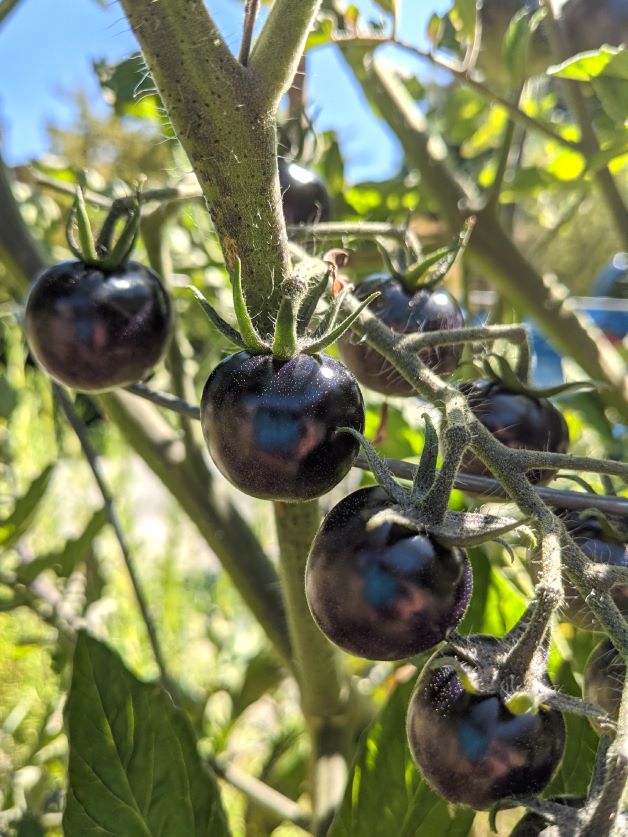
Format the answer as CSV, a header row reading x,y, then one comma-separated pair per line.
x,y
47,49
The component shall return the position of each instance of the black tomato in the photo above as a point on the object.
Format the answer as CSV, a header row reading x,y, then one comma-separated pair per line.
x,y
304,195
471,749
383,592
604,677
406,313
589,535
93,330
270,425
518,420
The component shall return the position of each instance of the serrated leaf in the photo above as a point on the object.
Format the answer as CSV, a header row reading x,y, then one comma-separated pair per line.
x,y
18,522
133,765
66,559
386,794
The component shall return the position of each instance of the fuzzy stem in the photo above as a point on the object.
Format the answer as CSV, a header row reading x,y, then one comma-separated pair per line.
x,y
326,697
280,44
250,13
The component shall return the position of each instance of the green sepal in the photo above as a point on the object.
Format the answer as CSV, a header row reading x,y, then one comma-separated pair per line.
x,y
214,317
126,241
505,375
251,339
426,472
391,266
85,248
315,346
438,264
379,468
285,339
520,703
471,528
310,301
328,320
610,532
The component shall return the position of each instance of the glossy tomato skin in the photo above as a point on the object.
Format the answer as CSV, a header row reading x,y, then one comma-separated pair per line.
x,y
270,425
383,592
518,420
603,679
587,532
93,330
405,313
471,749
304,195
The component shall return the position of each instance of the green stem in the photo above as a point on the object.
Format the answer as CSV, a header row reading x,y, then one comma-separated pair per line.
x,y
280,45
326,697
490,248
227,129
208,506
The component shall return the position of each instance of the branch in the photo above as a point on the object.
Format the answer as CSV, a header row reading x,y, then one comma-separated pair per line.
x,y
590,145
490,247
469,483
210,509
250,13
6,7
465,76
90,454
228,132
260,793
280,44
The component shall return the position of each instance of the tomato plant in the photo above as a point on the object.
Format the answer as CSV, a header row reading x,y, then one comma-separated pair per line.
x,y
216,592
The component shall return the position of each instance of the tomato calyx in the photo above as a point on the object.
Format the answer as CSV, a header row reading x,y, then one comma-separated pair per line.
x,y
497,369
102,252
413,508
292,333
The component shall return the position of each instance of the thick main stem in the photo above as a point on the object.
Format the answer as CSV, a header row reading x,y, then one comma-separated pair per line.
x,y
323,683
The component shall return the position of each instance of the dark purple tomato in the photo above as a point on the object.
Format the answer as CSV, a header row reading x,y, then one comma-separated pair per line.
x,y
383,592
405,313
471,749
270,425
604,677
518,420
589,535
304,195
92,329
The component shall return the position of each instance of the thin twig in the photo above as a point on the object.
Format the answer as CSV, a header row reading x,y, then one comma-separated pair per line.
x,y
470,484
260,793
90,454
250,13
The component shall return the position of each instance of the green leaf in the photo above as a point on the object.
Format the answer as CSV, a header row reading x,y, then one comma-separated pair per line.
x,y
607,71
386,794
263,673
574,773
129,88
18,522
496,605
517,43
66,559
133,765
30,826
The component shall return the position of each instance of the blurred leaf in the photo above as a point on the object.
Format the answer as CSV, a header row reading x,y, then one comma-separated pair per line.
x,y
18,522
607,61
517,41
263,673
496,604
463,16
386,794
66,559
134,768
574,773
30,826
8,398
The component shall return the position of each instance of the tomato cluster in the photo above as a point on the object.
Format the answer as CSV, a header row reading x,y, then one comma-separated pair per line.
x,y
378,584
